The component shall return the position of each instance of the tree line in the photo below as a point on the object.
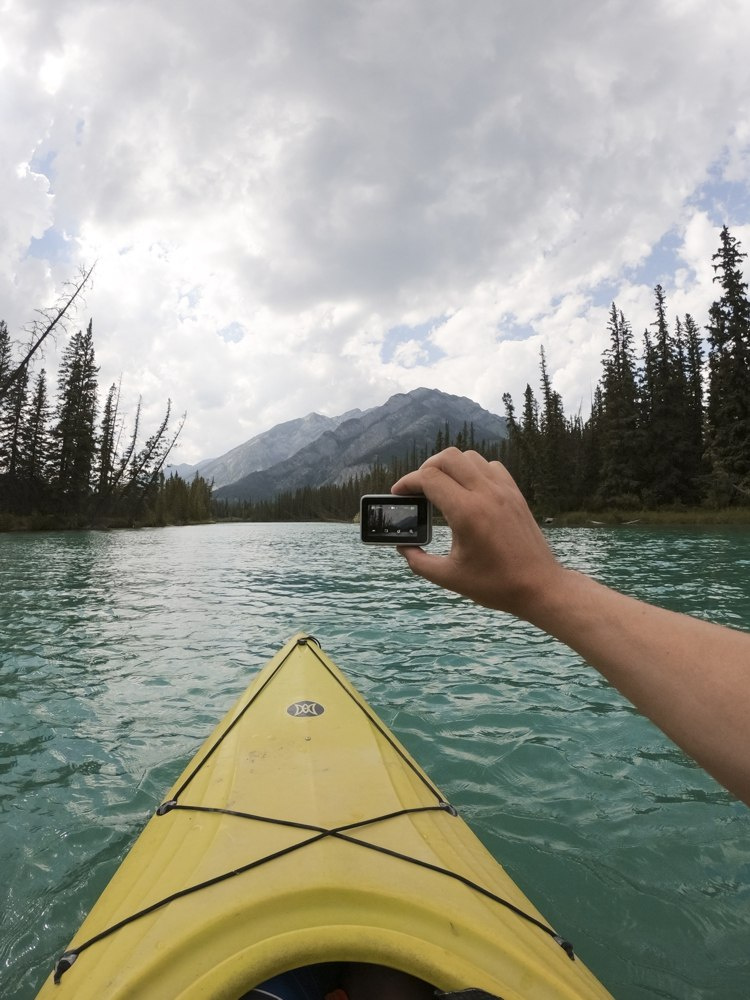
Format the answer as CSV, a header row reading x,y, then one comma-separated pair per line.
x,y
66,462
669,426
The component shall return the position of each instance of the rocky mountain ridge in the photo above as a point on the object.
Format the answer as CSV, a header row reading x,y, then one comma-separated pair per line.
x,y
264,450
359,439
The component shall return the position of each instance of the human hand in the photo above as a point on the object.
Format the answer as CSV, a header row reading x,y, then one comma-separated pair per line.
x,y
498,556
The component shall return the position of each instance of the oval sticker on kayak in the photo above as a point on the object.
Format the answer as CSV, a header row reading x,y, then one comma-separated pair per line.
x,y
306,708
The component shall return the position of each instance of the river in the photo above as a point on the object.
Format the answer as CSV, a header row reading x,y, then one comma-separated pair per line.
x,y
119,651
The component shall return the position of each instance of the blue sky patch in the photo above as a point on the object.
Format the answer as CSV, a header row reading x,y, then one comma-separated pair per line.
x,y
52,246
233,333
660,265
44,164
726,203
510,329
420,333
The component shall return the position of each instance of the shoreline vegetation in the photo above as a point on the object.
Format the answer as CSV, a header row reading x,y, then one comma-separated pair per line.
x,y
688,517
667,440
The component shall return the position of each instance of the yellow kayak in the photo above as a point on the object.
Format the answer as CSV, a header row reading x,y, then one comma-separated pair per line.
x,y
302,832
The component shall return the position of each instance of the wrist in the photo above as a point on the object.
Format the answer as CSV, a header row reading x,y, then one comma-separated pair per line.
x,y
558,602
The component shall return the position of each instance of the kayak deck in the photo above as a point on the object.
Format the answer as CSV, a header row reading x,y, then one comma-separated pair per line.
x,y
303,832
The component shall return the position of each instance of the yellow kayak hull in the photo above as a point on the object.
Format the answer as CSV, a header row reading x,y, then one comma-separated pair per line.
x,y
303,832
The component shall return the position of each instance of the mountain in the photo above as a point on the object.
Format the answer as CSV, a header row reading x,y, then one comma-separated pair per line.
x,y
382,433
264,450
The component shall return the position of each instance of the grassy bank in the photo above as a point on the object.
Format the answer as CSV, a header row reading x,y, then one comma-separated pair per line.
x,y
685,517
60,522
680,516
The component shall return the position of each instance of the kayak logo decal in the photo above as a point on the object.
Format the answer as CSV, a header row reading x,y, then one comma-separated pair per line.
x,y
306,709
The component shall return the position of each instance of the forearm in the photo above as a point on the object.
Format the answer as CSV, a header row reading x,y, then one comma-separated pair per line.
x,y
690,677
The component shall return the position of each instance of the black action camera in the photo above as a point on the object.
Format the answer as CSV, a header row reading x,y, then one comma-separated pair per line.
x,y
387,519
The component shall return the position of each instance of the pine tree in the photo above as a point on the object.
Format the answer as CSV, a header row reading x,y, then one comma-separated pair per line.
x,y
11,425
199,499
6,354
592,449
75,434
694,368
690,355
618,418
647,382
107,445
529,447
728,407
553,487
36,434
6,364
669,470
511,446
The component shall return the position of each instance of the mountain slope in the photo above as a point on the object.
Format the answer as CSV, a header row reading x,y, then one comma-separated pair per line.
x,y
264,450
382,433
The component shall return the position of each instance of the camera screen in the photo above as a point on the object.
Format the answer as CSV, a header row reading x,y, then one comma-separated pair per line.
x,y
392,520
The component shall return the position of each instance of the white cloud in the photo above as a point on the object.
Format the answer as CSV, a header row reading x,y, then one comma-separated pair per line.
x,y
317,175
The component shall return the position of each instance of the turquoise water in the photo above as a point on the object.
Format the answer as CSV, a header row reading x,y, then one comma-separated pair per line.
x,y
120,651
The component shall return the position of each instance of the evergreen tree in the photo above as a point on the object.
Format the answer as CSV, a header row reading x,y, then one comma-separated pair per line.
x,y
199,499
528,450
11,425
74,434
6,355
669,469
36,439
6,363
690,353
728,408
647,380
553,486
694,369
107,445
592,450
510,452
619,482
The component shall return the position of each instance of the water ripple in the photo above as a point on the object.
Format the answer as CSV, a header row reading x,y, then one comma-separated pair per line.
x,y
121,650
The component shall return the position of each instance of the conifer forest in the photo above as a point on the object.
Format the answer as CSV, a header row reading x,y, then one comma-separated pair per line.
x,y
77,461
669,427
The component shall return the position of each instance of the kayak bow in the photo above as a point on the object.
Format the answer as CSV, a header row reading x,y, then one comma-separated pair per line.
x,y
303,832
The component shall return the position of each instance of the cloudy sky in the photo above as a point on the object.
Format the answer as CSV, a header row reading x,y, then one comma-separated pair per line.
x,y
301,205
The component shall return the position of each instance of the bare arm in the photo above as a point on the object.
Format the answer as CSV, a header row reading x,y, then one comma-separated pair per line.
x,y
690,677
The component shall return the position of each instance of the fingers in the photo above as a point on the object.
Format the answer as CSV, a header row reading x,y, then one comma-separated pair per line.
x,y
498,556
467,468
442,477
436,569
442,490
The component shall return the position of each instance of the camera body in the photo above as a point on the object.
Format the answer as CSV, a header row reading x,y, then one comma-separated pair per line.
x,y
388,519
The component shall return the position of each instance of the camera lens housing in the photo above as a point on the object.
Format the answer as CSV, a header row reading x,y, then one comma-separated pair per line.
x,y
387,519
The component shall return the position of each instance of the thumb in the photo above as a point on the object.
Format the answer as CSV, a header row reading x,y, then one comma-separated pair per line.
x,y
430,567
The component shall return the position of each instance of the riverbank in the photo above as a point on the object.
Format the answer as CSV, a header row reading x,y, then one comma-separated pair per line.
x,y
666,517
677,517
60,522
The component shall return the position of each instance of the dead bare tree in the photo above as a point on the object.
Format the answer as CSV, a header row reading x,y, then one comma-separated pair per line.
x,y
52,319
147,465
